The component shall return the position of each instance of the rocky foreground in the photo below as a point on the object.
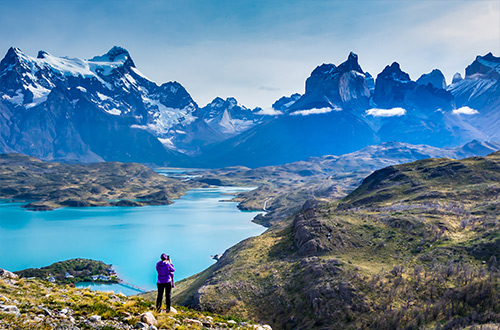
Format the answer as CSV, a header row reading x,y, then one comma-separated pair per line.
x,y
36,304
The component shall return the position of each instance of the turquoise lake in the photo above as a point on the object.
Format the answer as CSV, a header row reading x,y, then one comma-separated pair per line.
x,y
192,229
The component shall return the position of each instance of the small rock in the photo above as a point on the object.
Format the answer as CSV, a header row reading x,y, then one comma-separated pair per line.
x,y
95,318
64,311
148,318
9,309
267,327
152,327
231,322
192,322
140,325
46,311
173,310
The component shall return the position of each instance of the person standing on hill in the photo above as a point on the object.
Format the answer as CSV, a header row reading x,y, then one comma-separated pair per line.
x,y
165,282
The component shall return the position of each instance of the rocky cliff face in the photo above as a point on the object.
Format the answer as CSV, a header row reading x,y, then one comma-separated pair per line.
x,y
435,78
335,87
394,88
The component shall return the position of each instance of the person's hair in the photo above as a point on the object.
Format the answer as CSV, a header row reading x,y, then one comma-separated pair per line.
x,y
164,257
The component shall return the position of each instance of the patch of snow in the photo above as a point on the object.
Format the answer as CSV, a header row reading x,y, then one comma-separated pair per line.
x,y
167,143
40,94
144,127
139,73
394,112
104,97
164,118
81,89
314,111
16,99
113,111
465,111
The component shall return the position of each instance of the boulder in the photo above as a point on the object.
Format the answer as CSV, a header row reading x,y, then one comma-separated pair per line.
x,y
10,309
6,274
173,310
140,325
95,318
192,322
148,318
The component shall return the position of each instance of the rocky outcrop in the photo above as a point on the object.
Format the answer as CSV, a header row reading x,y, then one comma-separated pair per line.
x,y
313,236
9,275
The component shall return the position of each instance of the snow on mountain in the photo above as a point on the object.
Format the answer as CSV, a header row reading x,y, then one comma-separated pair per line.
x,y
480,90
229,117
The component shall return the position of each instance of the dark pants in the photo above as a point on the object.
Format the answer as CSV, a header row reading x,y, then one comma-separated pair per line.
x,y
167,287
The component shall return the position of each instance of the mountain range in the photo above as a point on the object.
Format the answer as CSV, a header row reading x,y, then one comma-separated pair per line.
x,y
105,109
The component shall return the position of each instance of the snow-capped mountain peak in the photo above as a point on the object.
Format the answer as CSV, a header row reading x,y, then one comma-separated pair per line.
x,y
228,116
484,67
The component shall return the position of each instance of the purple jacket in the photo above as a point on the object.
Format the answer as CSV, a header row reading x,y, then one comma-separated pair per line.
x,y
165,272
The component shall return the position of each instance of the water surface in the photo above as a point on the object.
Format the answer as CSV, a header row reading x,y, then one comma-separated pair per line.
x,y
131,238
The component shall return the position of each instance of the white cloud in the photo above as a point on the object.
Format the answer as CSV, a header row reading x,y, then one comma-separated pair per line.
x,y
314,111
465,111
394,112
269,112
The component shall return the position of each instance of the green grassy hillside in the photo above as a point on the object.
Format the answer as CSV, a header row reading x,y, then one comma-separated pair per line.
x,y
414,247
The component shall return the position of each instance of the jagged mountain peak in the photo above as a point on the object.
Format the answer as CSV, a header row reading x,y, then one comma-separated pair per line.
x,y
115,55
323,69
351,64
456,78
42,54
14,56
394,71
435,78
487,66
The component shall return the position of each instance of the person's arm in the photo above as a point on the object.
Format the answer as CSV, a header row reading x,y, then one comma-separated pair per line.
x,y
171,267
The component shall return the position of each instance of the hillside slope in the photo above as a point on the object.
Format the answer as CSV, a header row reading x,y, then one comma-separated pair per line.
x,y
415,246
37,304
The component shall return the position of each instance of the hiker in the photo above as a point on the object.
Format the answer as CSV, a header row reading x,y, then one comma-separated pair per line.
x,y
165,282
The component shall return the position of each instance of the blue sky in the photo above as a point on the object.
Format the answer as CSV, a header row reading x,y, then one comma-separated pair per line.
x,y
256,51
